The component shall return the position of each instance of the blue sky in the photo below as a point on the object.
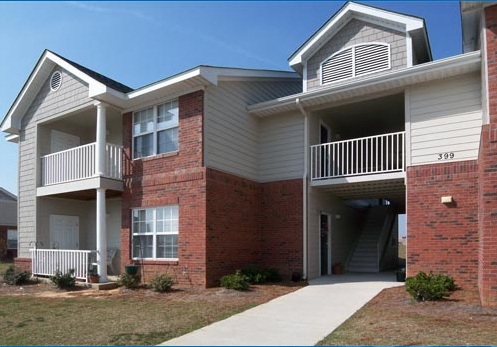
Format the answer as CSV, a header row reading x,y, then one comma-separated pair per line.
x,y
138,43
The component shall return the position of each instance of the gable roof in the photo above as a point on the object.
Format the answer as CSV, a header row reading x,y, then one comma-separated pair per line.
x,y
110,91
99,87
99,77
415,26
8,195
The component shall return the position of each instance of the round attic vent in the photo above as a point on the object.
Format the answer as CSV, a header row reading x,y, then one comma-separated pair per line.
x,y
55,81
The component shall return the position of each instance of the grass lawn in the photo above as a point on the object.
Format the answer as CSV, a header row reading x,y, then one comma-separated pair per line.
x,y
4,265
95,321
41,314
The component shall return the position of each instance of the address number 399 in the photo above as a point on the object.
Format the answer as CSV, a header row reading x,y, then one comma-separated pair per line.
x,y
447,155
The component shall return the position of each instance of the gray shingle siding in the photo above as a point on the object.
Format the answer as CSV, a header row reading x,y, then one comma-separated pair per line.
x,y
356,32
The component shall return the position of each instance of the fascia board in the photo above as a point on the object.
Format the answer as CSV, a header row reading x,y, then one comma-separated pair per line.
x,y
427,68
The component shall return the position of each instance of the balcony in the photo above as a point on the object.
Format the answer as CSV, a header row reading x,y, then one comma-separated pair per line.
x,y
79,163
372,155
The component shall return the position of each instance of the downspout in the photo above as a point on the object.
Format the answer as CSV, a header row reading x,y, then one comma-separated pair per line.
x,y
304,189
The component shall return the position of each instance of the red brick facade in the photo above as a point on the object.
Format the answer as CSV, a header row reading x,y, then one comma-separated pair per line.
x,y
225,222
487,272
443,238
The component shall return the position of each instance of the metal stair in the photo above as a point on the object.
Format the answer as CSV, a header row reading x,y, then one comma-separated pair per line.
x,y
365,254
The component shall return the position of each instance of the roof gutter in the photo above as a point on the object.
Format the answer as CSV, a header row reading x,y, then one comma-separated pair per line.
x,y
442,65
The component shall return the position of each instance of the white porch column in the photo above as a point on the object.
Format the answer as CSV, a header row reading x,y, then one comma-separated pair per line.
x,y
100,138
101,235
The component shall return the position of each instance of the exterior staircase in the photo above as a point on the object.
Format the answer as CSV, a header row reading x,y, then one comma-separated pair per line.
x,y
365,255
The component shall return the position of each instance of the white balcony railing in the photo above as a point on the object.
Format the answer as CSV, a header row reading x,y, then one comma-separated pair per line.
x,y
45,262
361,156
79,163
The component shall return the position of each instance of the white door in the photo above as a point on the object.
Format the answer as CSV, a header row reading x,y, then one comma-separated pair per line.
x,y
62,141
64,232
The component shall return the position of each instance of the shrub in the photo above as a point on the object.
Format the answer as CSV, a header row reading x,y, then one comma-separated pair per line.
x,y
15,277
129,281
236,281
64,280
161,283
258,275
430,286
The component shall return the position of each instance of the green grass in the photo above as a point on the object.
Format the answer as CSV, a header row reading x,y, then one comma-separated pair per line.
x,y
402,255
28,320
4,265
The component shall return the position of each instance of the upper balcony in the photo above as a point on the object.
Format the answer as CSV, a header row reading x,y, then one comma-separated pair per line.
x,y
80,163
75,169
359,159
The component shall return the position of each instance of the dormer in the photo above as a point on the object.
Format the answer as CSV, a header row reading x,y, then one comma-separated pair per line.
x,y
360,40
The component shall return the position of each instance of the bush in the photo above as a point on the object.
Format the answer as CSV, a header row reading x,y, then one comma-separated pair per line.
x,y
161,283
15,277
129,281
236,281
430,286
64,281
258,275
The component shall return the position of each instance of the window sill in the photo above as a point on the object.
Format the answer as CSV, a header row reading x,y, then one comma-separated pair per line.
x,y
158,156
155,262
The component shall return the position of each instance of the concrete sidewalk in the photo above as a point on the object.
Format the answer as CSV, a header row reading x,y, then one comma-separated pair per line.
x,y
303,317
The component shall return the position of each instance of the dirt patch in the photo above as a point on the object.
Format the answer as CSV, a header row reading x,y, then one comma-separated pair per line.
x,y
393,318
259,293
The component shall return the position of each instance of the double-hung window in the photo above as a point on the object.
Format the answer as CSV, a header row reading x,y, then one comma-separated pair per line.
x,y
155,233
155,130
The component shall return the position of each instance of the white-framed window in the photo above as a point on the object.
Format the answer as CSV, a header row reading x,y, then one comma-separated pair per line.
x,y
155,130
155,232
11,239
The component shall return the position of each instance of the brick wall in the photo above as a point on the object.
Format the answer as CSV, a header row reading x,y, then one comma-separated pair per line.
x,y
487,161
443,238
282,223
177,178
233,224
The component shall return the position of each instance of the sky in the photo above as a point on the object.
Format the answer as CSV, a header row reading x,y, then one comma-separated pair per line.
x,y
138,43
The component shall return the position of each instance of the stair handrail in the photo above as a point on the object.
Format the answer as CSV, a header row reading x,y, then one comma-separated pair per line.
x,y
386,233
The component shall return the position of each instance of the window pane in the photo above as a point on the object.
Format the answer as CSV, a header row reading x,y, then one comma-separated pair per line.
x,y
143,146
143,246
167,141
167,115
167,246
143,121
11,239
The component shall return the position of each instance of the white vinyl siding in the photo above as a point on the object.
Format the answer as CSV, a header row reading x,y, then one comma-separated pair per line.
x,y
357,60
282,147
446,120
231,134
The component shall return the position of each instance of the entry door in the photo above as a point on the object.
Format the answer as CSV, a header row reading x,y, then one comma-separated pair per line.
x,y
325,242
64,232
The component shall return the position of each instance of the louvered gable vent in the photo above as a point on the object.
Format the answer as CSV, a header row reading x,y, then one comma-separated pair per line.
x,y
355,61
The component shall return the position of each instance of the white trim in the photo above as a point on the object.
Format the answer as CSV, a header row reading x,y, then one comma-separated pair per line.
x,y
56,72
357,179
484,74
456,65
409,55
407,126
304,78
362,12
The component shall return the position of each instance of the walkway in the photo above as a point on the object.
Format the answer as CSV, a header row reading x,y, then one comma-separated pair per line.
x,y
303,317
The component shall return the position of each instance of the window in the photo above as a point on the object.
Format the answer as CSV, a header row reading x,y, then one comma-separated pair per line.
x,y
155,130
11,239
155,233
356,60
